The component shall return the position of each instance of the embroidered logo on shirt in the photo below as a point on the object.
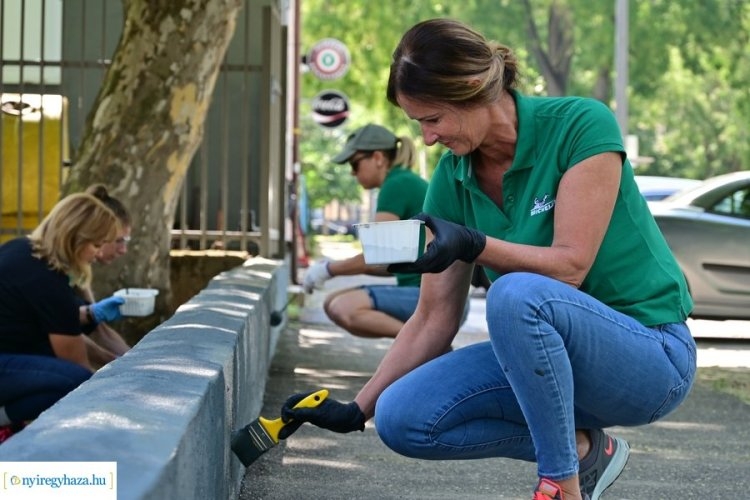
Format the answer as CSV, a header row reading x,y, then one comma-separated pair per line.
x,y
541,206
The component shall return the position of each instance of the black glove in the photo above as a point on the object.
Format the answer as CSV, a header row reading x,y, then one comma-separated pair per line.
x,y
330,414
451,242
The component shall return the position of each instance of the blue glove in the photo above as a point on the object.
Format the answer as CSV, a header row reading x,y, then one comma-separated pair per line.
x,y
451,242
330,414
107,309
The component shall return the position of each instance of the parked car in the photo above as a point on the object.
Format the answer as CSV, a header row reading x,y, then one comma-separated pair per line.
x,y
654,187
322,226
708,229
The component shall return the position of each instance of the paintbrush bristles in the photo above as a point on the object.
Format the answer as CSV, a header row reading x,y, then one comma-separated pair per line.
x,y
261,439
251,442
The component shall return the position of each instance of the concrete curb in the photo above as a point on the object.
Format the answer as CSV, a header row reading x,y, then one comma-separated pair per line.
x,y
165,410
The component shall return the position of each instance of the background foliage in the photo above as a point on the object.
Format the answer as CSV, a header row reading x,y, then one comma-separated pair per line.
x,y
689,98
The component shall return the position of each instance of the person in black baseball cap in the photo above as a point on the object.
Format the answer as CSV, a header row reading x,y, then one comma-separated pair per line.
x,y
381,160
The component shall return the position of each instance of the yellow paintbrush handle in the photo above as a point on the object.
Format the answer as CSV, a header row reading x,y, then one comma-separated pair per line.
x,y
273,427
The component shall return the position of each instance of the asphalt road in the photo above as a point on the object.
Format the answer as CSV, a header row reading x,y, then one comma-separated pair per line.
x,y
700,451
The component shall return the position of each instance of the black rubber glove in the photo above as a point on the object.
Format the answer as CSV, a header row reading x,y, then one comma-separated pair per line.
x,y
451,242
330,414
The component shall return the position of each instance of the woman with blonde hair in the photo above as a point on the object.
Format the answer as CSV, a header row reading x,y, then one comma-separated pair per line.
x,y
42,352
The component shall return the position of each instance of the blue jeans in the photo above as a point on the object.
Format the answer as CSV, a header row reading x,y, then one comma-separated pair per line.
x,y
30,384
557,360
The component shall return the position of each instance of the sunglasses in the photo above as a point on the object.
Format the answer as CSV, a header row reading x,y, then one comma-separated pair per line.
x,y
355,162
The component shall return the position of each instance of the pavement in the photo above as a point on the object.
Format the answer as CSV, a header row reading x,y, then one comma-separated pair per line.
x,y
699,451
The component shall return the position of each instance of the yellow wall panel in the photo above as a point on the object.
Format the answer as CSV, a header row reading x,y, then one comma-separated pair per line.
x,y
34,148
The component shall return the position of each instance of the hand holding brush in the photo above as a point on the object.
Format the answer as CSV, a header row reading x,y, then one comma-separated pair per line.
x,y
329,414
259,436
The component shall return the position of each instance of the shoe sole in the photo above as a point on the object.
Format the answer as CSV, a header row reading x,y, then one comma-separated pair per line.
x,y
614,469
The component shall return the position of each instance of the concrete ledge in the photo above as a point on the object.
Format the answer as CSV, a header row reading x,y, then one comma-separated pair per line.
x,y
164,411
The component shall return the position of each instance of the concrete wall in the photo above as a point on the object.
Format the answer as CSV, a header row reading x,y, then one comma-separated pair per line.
x,y
164,411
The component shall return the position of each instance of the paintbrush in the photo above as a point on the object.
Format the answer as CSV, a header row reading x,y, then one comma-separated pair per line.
x,y
262,434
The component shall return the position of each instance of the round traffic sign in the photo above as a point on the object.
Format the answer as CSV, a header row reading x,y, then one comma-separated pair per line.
x,y
330,108
329,59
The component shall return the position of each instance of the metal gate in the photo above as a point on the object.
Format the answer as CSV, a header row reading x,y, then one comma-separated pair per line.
x,y
53,56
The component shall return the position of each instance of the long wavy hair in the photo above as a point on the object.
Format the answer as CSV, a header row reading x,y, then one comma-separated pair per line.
x,y
75,221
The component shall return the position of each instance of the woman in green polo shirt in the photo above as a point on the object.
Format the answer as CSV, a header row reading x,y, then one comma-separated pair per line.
x,y
586,313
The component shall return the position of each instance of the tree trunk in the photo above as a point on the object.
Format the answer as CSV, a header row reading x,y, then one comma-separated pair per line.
x,y
146,125
554,63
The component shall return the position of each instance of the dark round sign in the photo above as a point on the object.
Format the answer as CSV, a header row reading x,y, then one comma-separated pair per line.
x,y
330,108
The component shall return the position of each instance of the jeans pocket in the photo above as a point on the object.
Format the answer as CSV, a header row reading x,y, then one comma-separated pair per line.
x,y
679,347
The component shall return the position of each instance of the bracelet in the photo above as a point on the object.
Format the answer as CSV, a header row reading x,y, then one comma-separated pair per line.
x,y
90,315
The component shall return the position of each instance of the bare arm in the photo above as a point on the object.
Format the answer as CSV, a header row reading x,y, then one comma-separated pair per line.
x,y
83,315
584,205
87,294
583,209
108,338
71,348
426,335
97,355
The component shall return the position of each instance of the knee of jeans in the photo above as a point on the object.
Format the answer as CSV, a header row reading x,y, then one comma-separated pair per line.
x,y
394,426
510,294
516,285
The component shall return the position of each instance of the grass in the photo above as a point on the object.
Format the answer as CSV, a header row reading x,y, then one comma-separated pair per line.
x,y
734,381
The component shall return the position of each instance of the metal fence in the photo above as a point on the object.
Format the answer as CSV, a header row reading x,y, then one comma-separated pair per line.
x,y
53,56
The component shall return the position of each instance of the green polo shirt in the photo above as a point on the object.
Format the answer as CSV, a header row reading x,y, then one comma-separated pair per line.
x,y
402,193
634,272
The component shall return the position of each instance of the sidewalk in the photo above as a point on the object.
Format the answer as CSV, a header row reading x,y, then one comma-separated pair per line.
x,y
698,452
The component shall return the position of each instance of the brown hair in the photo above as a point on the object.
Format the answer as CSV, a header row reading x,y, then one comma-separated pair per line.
x,y
100,191
446,61
76,220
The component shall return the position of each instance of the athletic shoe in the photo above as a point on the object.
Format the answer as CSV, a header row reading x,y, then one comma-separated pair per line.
x,y
603,464
549,490
6,431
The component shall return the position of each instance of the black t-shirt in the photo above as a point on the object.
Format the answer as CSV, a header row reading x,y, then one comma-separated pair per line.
x,y
35,301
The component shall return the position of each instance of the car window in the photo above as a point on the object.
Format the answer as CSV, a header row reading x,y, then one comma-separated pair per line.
x,y
735,204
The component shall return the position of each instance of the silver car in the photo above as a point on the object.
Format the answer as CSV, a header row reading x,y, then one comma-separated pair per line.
x,y
708,229
655,188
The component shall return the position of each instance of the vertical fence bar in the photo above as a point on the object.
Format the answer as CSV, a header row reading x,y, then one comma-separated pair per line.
x,y
2,91
40,138
183,214
62,143
81,70
203,193
224,158
245,175
19,179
